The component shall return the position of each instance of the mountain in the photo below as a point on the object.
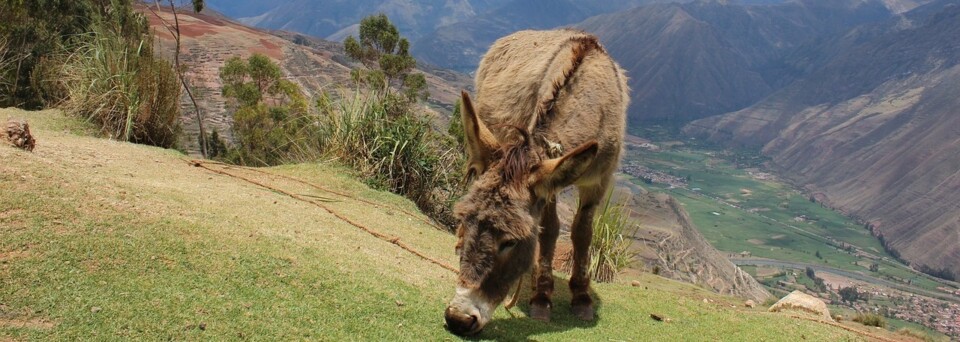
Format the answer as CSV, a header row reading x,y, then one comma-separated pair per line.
x,y
323,18
693,60
243,8
874,132
460,45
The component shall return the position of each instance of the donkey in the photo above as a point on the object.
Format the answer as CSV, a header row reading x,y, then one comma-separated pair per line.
x,y
550,112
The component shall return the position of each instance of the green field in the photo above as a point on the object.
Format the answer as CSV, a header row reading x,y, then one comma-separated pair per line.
x,y
739,212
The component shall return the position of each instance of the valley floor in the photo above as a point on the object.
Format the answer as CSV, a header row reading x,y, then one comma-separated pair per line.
x,y
761,221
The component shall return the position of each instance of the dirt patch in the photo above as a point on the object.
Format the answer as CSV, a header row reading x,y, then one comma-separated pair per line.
x,y
746,192
8,256
10,213
756,241
835,281
778,237
763,272
28,323
194,31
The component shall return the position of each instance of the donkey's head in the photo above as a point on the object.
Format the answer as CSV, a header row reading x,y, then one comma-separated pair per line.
x,y
499,216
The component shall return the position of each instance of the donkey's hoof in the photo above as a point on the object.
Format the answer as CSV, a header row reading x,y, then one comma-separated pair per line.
x,y
540,312
583,312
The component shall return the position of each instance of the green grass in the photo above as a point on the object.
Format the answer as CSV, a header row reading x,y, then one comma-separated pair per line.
x,y
770,230
114,241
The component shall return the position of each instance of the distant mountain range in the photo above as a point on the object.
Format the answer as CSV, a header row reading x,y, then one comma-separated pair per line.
x,y
325,18
873,131
693,60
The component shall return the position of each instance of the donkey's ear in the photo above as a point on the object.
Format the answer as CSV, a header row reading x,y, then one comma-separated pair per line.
x,y
479,141
553,174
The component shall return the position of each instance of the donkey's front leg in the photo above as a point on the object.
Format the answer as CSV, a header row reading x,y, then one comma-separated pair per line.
x,y
581,233
541,302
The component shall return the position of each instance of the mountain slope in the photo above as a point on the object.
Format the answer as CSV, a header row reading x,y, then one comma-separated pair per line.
x,y
109,240
875,132
314,64
460,45
693,60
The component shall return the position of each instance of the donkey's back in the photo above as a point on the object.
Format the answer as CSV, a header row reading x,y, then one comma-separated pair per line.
x,y
561,86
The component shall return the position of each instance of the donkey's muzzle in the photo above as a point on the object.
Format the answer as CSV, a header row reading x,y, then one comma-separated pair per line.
x,y
460,323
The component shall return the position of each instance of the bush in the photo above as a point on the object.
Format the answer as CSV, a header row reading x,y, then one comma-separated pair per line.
x,y
869,319
609,251
119,85
270,114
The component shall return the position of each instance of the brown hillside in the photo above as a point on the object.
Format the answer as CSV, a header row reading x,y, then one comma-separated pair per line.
x,y
209,40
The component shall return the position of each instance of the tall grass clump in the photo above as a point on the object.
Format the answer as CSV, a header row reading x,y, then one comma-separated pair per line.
x,y
609,250
870,319
117,83
392,148
8,68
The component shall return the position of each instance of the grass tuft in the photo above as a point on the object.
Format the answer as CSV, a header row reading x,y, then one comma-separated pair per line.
x,y
392,149
115,83
610,252
870,319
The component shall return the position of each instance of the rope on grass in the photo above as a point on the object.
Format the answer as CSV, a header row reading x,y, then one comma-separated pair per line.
x,y
391,239
324,189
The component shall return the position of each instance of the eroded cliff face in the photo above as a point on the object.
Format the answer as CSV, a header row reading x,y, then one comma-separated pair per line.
x,y
875,133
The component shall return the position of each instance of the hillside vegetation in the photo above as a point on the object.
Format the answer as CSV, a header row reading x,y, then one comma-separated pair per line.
x,y
115,241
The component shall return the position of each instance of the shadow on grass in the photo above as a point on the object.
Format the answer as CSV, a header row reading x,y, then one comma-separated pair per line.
x,y
522,327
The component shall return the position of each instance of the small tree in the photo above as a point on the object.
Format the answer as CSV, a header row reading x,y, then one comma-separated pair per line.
x,y
386,56
270,111
850,294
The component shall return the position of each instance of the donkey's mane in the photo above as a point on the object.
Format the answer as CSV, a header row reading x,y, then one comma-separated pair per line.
x,y
580,47
516,159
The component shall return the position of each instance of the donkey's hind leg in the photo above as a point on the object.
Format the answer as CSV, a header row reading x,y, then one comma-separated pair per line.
x,y
541,303
581,233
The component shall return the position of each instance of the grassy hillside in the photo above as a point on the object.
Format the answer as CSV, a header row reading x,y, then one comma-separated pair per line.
x,y
114,241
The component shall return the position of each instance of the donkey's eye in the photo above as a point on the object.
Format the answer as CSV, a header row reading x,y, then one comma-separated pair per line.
x,y
507,246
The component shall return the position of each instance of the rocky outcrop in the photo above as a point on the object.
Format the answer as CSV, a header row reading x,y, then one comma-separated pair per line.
x,y
797,300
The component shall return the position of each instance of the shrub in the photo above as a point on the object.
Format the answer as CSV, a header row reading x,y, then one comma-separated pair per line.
x,y
609,250
870,319
270,113
118,84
